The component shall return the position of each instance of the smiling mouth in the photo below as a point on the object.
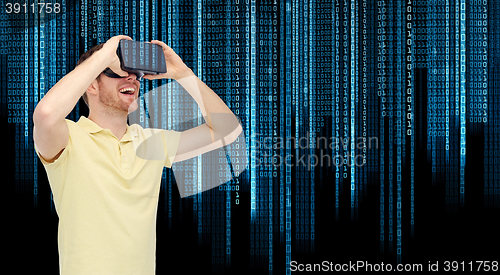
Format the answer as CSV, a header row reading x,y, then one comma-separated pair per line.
x,y
127,91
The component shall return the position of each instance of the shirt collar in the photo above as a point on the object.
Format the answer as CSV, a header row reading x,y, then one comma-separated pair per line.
x,y
91,127
88,125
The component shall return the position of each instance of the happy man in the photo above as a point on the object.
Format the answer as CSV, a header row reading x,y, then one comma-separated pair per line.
x,y
106,197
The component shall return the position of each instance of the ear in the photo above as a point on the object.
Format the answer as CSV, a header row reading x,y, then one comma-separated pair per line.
x,y
93,87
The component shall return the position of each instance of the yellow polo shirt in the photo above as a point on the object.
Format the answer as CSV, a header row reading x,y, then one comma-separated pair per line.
x,y
106,198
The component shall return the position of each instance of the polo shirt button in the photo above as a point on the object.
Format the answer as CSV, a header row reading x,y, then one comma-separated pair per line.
x,y
124,158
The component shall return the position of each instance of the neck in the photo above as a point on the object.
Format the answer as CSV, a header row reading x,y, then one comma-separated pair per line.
x,y
115,122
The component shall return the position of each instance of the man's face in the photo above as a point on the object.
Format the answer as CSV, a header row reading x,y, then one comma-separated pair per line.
x,y
119,93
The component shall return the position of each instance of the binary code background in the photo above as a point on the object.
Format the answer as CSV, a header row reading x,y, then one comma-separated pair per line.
x,y
416,78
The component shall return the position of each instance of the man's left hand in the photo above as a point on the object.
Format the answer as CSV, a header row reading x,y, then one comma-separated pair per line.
x,y
176,69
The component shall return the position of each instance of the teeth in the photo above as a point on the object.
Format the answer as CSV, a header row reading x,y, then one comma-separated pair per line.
x,y
127,90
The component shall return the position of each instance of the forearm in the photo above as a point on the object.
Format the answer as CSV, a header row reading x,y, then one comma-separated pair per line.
x,y
217,114
64,95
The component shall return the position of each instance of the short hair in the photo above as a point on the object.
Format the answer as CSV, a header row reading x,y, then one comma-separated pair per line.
x,y
84,57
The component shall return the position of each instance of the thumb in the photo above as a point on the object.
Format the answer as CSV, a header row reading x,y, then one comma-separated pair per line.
x,y
115,66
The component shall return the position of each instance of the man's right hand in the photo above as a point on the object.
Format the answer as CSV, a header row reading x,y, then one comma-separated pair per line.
x,y
109,51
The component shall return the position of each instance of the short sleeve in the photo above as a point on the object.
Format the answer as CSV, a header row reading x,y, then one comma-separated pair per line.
x,y
148,144
57,169
62,156
171,141
55,163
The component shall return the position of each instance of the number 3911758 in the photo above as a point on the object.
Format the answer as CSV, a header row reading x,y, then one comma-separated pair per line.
x,y
33,8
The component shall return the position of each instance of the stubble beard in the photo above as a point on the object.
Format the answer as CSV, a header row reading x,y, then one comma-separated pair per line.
x,y
114,104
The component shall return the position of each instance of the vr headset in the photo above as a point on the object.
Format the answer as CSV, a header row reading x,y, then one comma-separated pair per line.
x,y
140,58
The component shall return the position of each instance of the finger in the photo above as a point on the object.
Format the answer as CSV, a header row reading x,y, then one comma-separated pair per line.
x,y
120,37
123,37
151,77
119,71
157,42
123,73
116,68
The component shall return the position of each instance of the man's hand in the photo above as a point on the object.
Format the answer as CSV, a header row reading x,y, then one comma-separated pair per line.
x,y
176,69
109,50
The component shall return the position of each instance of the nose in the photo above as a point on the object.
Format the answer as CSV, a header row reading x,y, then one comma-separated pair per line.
x,y
131,76
136,75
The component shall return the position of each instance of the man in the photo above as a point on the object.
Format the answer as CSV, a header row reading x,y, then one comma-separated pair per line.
x,y
105,195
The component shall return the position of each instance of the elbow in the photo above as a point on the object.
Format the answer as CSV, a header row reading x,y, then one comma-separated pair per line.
x,y
38,114
225,127
42,115
233,136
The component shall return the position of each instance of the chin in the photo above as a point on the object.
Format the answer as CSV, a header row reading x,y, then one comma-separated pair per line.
x,y
133,106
